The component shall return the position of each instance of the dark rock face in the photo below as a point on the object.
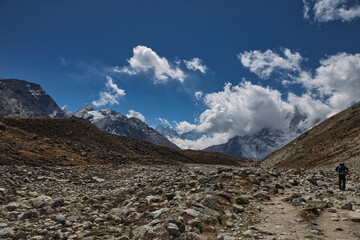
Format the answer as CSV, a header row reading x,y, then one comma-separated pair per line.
x,y
114,122
20,98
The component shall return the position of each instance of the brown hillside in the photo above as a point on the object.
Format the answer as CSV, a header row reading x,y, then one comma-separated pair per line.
x,y
74,142
213,157
335,140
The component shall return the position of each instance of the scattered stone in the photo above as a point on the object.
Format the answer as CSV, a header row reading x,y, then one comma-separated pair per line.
x,y
7,233
354,215
242,201
99,180
146,202
347,206
58,203
30,215
41,201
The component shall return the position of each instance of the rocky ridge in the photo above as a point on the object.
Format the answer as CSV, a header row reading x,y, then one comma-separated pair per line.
x,y
19,98
114,122
51,141
176,202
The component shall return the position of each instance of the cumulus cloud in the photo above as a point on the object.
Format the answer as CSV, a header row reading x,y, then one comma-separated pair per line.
x,y
337,80
331,10
145,60
265,63
196,64
184,126
135,114
241,110
203,142
244,109
314,109
198,95
111,96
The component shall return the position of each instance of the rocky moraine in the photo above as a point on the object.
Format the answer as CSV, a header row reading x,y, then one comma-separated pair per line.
x,y
175,202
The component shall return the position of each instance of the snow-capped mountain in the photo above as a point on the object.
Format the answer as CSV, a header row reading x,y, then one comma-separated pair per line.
x,y
114,122
263,143
19,98
67,111
169,132
256,146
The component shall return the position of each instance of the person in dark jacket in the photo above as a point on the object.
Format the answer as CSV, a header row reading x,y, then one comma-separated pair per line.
x,y
342,171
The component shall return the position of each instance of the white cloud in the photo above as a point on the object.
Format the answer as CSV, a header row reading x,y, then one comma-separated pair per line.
x,y
198,95
306,9
336,81
135,114
265,63
145,60
315,110
332,10
184,126
244,109
203,142
196,64
111,96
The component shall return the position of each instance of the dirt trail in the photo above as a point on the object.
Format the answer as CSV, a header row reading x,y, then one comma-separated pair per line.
x,y
282,220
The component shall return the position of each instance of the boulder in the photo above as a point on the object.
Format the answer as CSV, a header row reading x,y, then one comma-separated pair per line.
x,y
41,201
355,215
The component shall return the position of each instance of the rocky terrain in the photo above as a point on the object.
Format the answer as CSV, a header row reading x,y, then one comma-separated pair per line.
x,y
176,202
335,140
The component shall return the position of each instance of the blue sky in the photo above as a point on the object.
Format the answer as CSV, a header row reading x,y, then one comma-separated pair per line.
x,y
225,67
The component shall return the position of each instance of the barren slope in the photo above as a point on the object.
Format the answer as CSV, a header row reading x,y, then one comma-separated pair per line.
x,y
64,141
335,140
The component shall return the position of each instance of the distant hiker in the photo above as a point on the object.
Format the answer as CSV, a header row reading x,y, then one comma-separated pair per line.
x,y
342,171
2,127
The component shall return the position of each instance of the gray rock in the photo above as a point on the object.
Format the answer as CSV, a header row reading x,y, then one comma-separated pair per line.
x,y
173,229
30,215
12,206
121,212
60,218
347,206
41,201
238,209
212,203
242,201
7,233
354,215
58,203
97,179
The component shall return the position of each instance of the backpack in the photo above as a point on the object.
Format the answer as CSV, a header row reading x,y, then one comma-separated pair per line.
x,y
341,170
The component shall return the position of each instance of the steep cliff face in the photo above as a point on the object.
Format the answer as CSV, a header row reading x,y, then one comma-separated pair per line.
x,y
19,98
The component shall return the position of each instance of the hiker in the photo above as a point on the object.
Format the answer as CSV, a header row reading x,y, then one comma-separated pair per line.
x,y
342,171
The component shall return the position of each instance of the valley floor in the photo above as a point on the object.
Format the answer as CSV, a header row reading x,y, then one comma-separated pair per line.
x,y
176,202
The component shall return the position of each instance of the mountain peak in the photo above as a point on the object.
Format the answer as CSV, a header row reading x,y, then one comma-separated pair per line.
x,y
66,110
